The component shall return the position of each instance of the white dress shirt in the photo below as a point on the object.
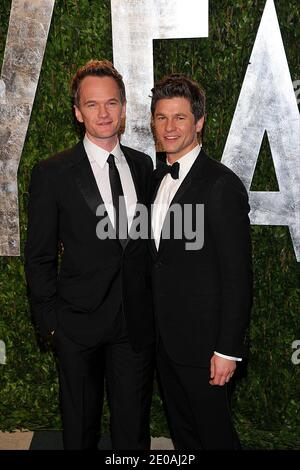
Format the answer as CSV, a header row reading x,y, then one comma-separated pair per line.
x,y
166,192
98,159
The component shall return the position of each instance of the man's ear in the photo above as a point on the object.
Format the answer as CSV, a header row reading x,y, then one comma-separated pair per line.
x,y
124,110
199,125
78,114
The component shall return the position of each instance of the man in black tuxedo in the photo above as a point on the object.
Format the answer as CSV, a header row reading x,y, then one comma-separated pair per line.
x,y
97,304
201,287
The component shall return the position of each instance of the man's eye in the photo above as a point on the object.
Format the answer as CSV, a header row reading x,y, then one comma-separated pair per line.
x,y
91,105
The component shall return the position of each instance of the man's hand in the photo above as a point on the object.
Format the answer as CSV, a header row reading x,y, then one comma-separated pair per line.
x,y
221,370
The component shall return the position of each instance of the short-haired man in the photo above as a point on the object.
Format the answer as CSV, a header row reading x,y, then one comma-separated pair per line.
x,y
98,306
202,292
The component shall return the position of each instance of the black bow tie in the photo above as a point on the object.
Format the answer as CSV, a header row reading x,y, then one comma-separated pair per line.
x,y
163,169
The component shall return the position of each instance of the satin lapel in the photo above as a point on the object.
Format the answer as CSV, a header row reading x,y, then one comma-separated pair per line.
x,y
155,181
192,178
136,181
194,174
84,177
134,173
154,188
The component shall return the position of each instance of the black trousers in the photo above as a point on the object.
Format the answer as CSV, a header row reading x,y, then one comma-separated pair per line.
x,y
129,382
198,413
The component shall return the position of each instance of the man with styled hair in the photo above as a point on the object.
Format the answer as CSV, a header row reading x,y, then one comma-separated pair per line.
x,y
202,297
97,305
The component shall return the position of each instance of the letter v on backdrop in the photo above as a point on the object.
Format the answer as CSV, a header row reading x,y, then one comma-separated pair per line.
x,y
25,45
276,106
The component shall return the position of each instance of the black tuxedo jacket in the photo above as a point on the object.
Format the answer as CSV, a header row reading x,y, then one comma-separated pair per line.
x,y
202,298
82,290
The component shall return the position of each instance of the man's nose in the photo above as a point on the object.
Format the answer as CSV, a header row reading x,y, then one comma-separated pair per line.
x,y
102,110
170,125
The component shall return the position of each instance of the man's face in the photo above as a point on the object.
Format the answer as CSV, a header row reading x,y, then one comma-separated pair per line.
x,y
100,110
175,127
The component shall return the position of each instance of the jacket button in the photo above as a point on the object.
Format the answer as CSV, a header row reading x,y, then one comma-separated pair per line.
x,y
158,264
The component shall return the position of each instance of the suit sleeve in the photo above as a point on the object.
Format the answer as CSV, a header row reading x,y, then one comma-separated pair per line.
x,y
41,250
229,223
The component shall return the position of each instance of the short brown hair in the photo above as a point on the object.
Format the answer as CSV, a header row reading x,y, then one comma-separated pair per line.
x,y
177,85
97,68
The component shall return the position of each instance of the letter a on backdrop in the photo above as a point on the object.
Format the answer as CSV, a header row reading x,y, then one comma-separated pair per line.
x,y
267,104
